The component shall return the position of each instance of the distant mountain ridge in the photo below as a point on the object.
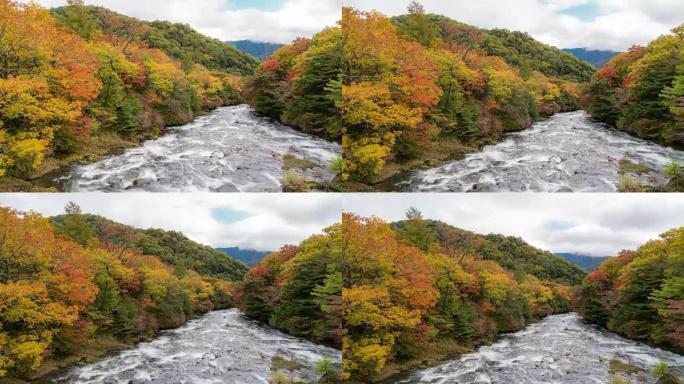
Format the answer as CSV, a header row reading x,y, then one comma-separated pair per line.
x,y
587,262
595,57
248,256
259,49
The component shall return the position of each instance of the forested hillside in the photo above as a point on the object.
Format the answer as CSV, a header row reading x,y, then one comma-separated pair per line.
x,y
79,287
421,89
300,85
298,289
640,294
510,252
420,291
173,248
83,81
642,90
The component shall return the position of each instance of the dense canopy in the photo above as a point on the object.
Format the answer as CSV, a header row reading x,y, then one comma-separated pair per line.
x,y
642,90
81,81
422,88
640,294
421,291
78,287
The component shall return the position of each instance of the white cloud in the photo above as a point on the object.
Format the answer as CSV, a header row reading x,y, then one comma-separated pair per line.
x,y
273,220
599,224
619,24
296,18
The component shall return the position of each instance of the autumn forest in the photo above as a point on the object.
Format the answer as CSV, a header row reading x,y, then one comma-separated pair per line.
x,y
400,94
278,192
393,296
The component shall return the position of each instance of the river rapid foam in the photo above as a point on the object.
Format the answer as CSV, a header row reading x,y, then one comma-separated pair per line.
x,y
229,150
569,152
221,347
561,349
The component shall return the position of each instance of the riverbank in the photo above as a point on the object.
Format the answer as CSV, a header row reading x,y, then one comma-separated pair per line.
x,y
446,350
560,348
569,152
291,364
232,149
94,350
646,177
102,145
445,150
219,346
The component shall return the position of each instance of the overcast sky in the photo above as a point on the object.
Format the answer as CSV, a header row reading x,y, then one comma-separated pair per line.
x,y
596,224
598,24
254,221
279,21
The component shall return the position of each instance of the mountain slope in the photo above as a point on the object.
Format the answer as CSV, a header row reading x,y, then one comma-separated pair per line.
x,y
518,49
588,263
642,90
247,256
179,41
77,287
512,253
418,291
173,248
258,49
420,89
596,57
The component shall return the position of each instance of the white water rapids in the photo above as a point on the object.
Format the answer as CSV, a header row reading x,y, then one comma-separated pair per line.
x,y
569,152
229,150
561,349
221,347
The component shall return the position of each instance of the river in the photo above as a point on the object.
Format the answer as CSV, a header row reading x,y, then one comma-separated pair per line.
x,y
569,152
221,347
229,150
561,349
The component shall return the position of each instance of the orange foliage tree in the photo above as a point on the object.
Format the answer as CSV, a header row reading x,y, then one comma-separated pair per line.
x,y
407,296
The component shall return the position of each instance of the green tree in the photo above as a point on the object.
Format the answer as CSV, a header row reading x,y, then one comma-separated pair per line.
x,y
420,27
318,89
80,20
416,230
75,225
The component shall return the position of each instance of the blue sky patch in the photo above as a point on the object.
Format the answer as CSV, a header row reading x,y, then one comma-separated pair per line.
x,y
264,5
558,226
227,215
585,12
